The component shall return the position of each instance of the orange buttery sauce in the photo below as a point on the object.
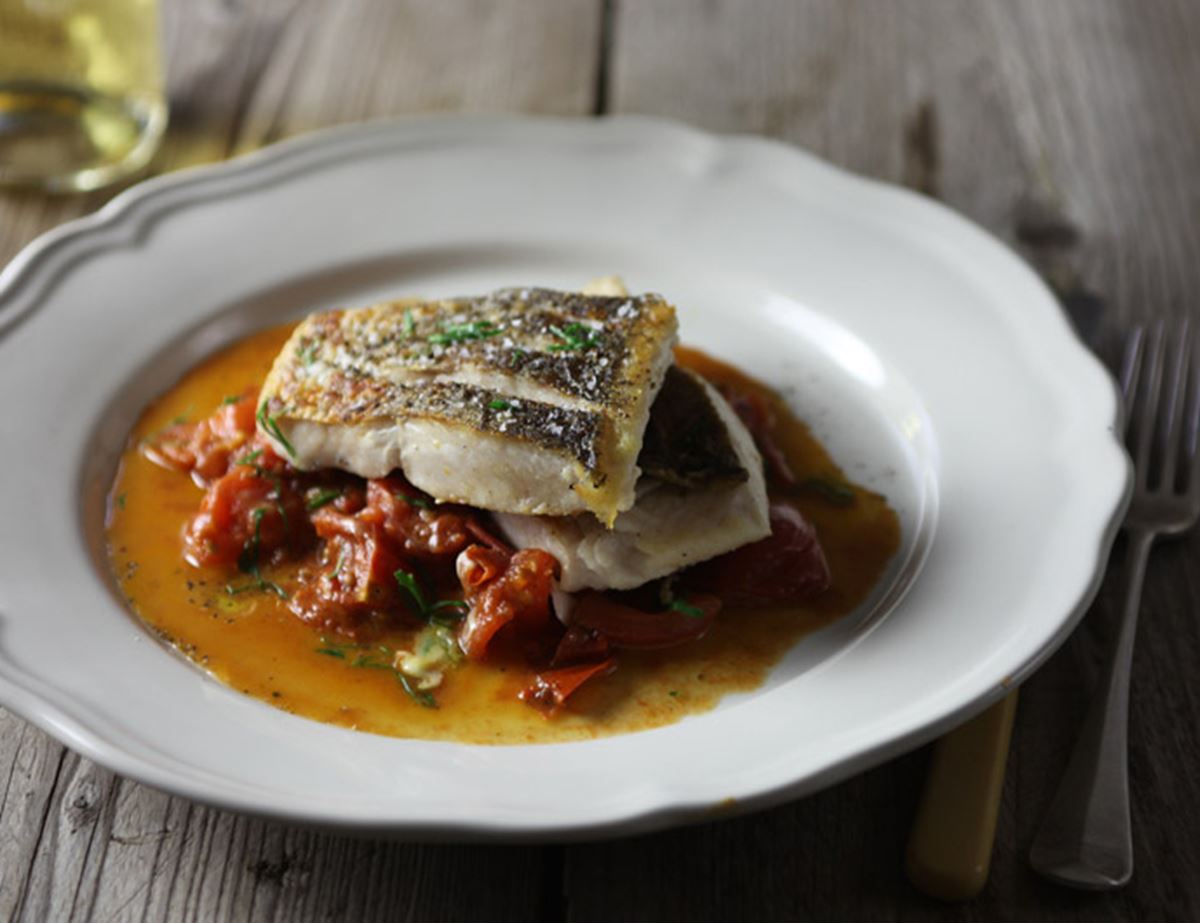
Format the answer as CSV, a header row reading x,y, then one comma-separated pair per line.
x,y
253,643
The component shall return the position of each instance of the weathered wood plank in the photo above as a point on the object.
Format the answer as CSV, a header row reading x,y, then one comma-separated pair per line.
x,y
1063,128
29,766
77,842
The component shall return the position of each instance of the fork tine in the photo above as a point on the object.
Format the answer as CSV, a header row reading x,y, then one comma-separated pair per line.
x,y
1191,445
1145,412
1178,398
1131,367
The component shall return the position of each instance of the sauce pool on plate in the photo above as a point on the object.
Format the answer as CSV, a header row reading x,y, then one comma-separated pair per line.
x,y
252,641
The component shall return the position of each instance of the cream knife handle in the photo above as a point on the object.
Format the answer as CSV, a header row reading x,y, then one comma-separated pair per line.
x,y
950,846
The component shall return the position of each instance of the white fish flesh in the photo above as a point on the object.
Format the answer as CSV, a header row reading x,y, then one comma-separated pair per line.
x,y
526,401
703,494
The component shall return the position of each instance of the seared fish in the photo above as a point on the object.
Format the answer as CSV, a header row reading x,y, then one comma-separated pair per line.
x,y
524,401
703,494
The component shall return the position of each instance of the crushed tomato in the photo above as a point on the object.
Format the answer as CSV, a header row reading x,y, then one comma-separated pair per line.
x,y
365,549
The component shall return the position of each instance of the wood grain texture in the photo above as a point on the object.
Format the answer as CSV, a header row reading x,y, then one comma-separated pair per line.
x,y
1068,128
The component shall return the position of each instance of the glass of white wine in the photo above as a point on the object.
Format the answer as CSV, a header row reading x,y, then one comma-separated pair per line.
x,y
82,102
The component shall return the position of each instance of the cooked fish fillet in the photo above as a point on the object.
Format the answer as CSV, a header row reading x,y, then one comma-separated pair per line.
x,y
525,400
721,505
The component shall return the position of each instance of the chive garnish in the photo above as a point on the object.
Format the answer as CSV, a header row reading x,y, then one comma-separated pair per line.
x,y
367,660
694,612
408,325
419,502
461,333
322,497
249,459
498,405
574,336
448,612
258,583
836,492
341,559
271,426
417,695
409,583
442,611
248,559
248,563
120,501
231,398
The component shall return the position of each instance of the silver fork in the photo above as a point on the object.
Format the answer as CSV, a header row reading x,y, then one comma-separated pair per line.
x,y
1085,838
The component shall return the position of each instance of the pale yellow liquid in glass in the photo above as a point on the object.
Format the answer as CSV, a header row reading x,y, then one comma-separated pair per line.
x,y
81,91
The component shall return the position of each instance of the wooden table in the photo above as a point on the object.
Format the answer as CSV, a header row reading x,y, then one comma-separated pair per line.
x,y
1069,128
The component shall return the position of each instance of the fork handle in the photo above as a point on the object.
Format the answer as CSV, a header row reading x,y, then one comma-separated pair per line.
x,y
1085,839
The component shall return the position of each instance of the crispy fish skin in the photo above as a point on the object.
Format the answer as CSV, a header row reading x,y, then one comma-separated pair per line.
x,y
686,442
525,400
673,525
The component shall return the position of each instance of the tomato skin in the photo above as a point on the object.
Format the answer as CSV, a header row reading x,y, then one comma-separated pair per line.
x,y
500,592
625,626
550,689
357,582
209,449
785,567
580,645
225,525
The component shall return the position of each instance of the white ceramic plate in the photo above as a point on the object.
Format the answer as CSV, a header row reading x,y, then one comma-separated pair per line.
x,y
931,361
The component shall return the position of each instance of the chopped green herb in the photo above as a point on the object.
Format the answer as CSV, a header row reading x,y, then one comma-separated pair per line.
x,y
673,693
694,612
836,492
231,398
341,559
249,459
498,405
448,612
248,563
419,502
573,336
461,333
271,426
408,325
181,419
365,659
417,695
409,583
442,611
370,662
248,560
282,512
308,355
321,497
259,583
120,501
515,357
